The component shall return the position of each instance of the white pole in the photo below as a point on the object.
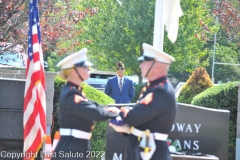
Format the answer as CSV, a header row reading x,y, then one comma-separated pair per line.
x,y
214,47
214,52
158,36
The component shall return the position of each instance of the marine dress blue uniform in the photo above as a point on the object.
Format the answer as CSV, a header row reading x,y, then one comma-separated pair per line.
x,y
155,110
76,119
77,114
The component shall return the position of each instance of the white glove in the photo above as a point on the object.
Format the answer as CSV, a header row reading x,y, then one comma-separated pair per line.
x,y
113,109
123,129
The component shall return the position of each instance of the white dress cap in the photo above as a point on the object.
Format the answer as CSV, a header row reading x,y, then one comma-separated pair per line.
x,y
78,59
153,53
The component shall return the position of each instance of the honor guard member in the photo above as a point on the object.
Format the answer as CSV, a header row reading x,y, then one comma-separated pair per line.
x,y
76,113
149,122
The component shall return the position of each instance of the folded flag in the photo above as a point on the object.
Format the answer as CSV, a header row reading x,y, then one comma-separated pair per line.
x,y
117,121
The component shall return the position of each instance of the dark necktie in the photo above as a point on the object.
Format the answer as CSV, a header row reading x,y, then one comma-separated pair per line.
x,y
120,85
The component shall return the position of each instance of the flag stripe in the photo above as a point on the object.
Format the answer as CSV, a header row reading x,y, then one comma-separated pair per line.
x,y
33,136
35,40
30,123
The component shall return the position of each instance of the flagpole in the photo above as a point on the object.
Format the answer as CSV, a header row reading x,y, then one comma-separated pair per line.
x,y
158,35
214,47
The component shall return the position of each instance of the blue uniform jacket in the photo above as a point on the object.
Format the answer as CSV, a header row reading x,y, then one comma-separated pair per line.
x,y
155,110
77,112
127,93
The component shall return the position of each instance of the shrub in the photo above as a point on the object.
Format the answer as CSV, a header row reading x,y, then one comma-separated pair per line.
x,y
223,96
197,82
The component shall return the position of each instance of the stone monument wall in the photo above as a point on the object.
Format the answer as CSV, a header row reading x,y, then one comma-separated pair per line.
x,y
12,87
20,74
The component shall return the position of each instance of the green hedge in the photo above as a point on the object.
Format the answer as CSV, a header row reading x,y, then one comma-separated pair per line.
x,y
223,96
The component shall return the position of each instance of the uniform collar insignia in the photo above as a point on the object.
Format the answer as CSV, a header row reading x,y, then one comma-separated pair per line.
x,y
157,81
74,86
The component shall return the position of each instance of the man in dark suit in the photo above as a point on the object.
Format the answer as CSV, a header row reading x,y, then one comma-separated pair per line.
x,y
119,87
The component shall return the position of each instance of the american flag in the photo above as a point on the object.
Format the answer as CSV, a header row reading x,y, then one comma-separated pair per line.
x,y
34,118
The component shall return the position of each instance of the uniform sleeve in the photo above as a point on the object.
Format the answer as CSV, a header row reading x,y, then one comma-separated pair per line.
x,y
152,105
78,106
131,91
107,88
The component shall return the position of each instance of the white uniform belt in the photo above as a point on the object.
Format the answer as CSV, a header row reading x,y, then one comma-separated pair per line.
x,y
75,133
157,136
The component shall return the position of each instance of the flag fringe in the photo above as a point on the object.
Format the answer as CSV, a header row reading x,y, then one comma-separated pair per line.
x,y
40,145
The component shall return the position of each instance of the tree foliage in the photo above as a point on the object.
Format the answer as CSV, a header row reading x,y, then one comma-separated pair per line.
x,y
117,31
227,42
229,17
58,21
197,83
196,28
118,34
228,71
13,15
